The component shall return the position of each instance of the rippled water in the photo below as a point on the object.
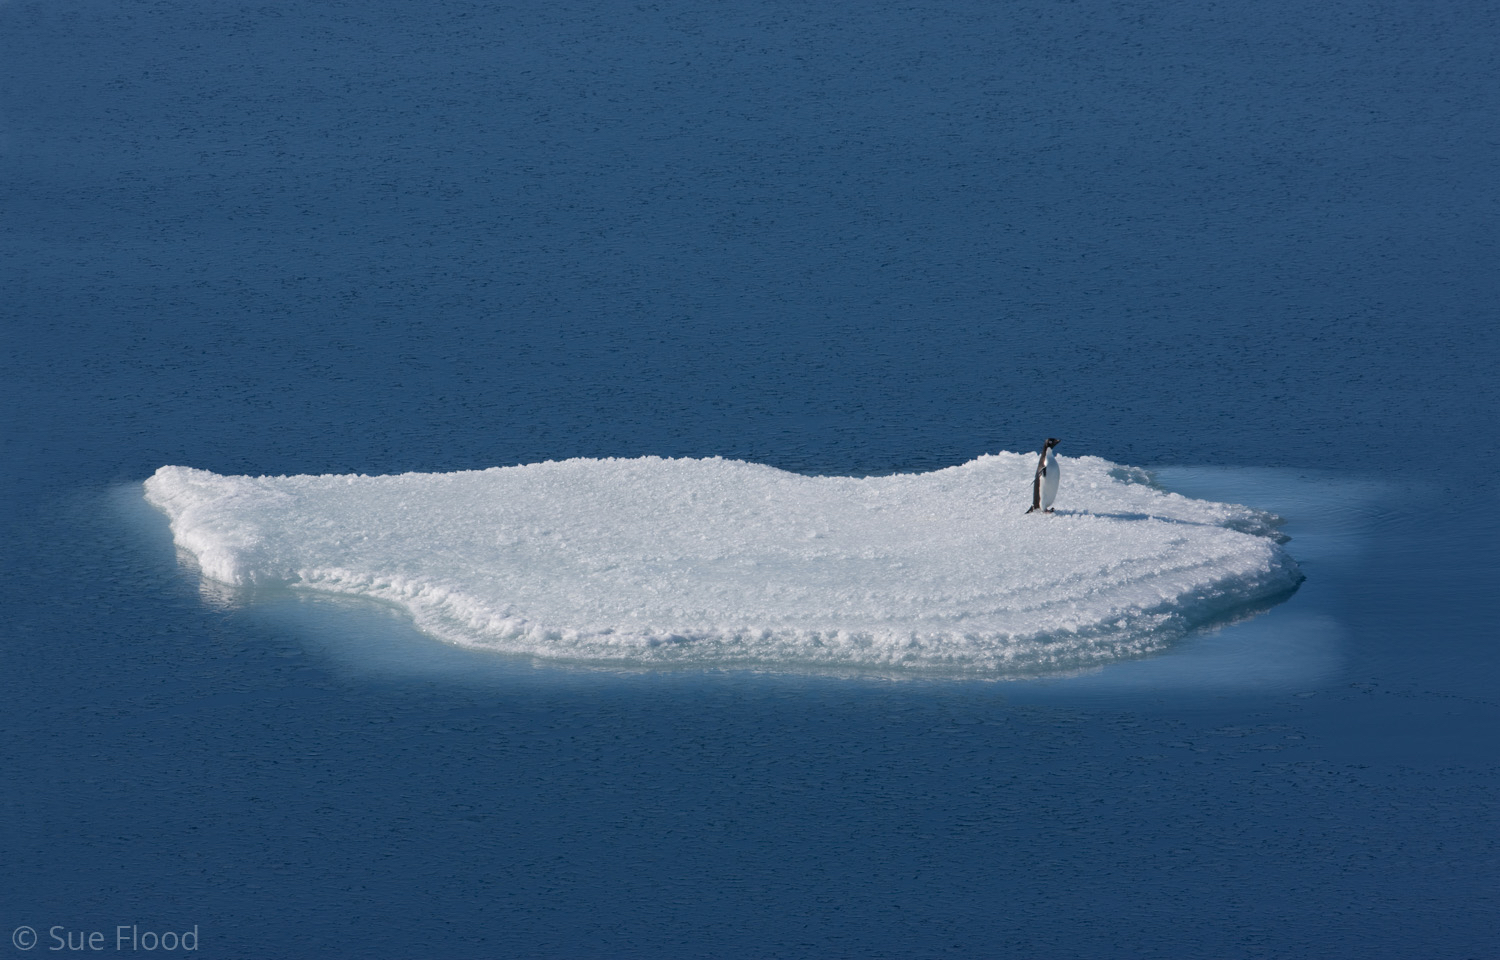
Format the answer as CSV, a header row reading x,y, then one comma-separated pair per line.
x,y
1246,249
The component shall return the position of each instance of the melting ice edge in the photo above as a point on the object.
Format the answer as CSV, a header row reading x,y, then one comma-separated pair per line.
x,y
723,562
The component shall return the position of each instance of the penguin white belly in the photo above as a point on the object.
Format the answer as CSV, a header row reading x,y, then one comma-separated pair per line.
x,y
1049,482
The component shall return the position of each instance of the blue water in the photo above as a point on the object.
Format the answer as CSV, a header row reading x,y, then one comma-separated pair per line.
x,y
1251,248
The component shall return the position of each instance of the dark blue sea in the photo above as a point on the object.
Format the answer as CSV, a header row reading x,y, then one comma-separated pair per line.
x,y
1249,247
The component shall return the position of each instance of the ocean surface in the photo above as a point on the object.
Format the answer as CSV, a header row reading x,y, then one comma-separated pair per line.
x,y
1248,250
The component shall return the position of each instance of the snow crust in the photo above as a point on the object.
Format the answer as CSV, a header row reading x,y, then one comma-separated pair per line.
x,y
722,562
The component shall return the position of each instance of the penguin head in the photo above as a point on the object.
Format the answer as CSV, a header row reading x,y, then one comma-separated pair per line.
x,y
1052,442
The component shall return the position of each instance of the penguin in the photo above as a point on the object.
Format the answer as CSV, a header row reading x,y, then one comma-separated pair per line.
x,y
1044,485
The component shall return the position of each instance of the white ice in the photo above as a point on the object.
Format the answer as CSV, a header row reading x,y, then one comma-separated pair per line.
x,y
721,562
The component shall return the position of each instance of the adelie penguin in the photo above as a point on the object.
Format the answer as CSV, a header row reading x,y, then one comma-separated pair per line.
x,y
1044,486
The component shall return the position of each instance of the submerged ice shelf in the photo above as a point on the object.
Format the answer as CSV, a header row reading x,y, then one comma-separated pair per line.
x,y
722,562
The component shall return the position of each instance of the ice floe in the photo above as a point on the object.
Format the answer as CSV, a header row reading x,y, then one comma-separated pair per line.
x,y
722,562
